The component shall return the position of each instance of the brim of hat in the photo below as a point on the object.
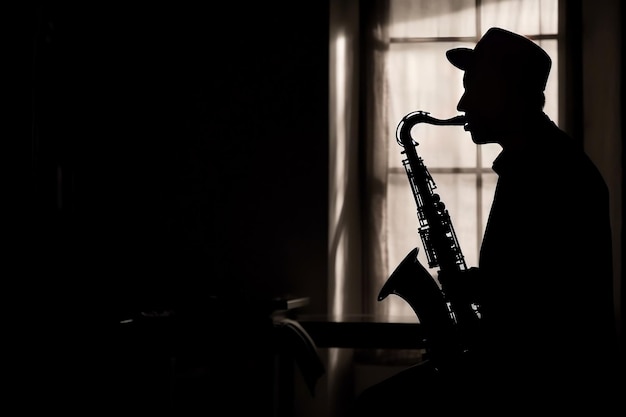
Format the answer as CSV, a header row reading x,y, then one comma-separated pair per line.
x,y
460,57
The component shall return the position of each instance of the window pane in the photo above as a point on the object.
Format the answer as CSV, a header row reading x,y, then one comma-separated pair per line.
x,y
444,146
428,18
529,17
488,153
552,88
549,16
423,79
402,220
458,193
403,236
488,189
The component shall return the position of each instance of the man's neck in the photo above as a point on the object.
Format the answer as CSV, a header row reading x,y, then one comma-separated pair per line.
x,y
522,138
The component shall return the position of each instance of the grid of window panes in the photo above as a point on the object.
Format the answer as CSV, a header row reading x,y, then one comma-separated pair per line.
x,y
421,78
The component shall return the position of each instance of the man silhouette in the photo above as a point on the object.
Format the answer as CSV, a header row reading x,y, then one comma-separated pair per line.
x,y
544,281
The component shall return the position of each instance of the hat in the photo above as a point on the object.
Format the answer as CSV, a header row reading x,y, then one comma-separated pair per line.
x,y
516,56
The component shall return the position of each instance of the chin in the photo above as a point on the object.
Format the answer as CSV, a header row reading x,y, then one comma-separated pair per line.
x,y
478,139
481,138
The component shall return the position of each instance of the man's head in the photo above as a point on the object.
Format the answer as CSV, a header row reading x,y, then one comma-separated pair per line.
x,y
505,78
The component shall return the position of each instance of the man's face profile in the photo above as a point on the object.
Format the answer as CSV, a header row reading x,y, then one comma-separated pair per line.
x,y
488,103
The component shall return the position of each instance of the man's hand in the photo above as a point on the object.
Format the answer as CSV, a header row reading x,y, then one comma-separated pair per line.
x,y
462,286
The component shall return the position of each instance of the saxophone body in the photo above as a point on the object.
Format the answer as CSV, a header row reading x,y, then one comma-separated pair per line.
x,y
447,324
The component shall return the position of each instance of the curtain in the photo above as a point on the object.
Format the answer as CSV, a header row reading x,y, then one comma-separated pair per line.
x,y
375,126
344,246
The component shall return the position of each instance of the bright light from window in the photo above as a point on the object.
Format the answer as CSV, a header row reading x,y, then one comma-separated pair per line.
x,y
421,78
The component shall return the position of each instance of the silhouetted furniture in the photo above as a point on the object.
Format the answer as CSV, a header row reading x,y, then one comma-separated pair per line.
x,y
215,358
363,331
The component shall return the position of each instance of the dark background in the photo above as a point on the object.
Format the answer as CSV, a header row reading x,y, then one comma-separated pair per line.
x,y
180,151
174,155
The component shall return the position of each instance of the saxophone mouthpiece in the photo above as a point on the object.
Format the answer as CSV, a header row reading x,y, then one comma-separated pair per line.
x,y
459,120
462,121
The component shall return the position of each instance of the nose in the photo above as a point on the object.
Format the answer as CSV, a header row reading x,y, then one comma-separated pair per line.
x,y
461,104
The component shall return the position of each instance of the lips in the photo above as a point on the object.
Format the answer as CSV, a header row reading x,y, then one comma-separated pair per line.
x,y
469,123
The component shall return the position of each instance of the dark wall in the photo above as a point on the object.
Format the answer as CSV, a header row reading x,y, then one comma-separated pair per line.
x,y
178,152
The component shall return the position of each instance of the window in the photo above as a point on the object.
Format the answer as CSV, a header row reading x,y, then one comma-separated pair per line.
x,y
419,77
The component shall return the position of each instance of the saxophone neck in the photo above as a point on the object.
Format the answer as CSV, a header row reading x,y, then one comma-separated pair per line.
x,y
420,116
403,131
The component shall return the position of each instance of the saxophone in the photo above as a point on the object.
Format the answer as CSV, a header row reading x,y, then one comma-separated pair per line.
x,y
447,324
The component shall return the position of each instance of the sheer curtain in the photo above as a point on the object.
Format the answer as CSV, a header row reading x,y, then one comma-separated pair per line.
x,y
375,123
344,246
